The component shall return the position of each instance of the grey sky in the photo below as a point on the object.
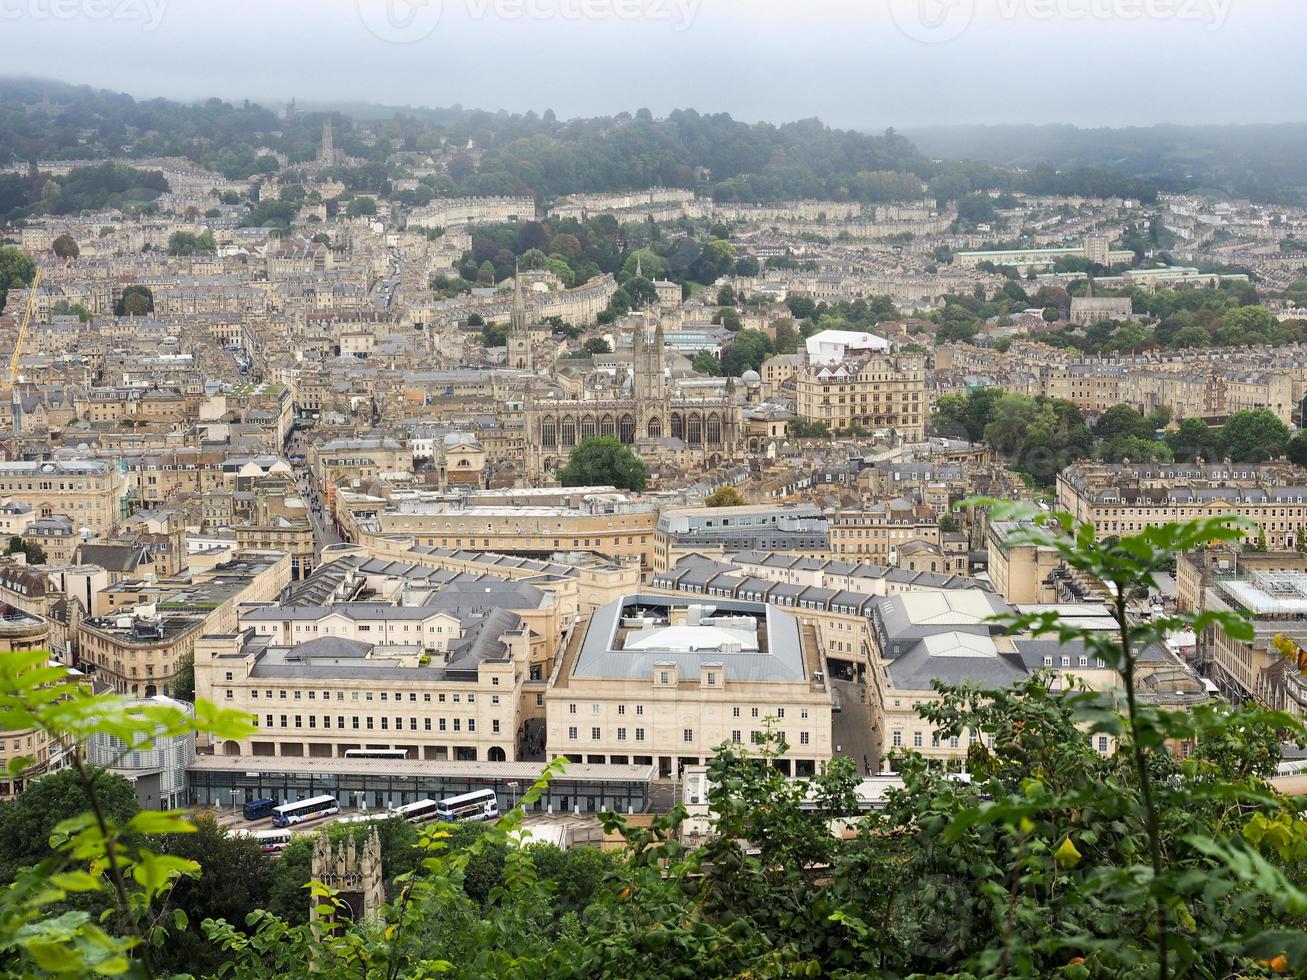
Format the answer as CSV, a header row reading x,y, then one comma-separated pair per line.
x,y
865,63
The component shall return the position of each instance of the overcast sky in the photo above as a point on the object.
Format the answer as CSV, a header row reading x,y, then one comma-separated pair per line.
x,y
861,63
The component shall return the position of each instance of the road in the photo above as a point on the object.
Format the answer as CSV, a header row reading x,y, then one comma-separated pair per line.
x,y
323,531
388,286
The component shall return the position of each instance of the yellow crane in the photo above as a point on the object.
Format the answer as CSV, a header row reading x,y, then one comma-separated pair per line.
x,y
11,385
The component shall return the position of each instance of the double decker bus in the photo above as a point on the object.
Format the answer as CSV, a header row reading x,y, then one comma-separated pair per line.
x,y
480,804
419,812
314,808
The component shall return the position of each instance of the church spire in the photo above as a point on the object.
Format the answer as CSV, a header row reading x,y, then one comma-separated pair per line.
x,y
517,320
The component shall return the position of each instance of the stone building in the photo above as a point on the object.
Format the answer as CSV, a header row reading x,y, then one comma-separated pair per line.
x,y
654,408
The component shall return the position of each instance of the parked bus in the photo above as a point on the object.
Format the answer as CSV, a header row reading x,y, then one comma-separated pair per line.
x,y
269,841
311,809
480,804
376,753
419,812
259,809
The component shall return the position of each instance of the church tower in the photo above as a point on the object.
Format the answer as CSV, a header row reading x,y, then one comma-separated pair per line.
x,y
328,155
519,331
647,362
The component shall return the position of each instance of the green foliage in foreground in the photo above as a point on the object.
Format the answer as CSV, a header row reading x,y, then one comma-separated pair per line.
x,y
1056,860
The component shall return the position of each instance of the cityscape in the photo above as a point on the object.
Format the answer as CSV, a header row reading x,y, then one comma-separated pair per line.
x,y
515,542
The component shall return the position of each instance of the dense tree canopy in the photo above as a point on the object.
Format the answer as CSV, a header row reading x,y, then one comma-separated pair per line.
x,y
603,461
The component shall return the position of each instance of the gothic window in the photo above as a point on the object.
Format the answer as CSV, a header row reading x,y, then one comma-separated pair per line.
x,y
714,430
569,432
655,428
588,427
548,432
627,429
678,426
694,430
606,426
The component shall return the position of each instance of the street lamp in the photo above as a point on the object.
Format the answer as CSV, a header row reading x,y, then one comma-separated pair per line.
x,y
513,785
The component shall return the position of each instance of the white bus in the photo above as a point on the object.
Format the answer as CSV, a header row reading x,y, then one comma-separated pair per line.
x,y
480,804
419,812
376,753
268,840
314,808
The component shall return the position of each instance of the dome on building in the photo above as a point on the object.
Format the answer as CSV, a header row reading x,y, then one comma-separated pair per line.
x,y
751,377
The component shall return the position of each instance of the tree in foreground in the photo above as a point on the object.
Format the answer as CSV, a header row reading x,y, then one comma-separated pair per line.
x,y
1057,859
602,461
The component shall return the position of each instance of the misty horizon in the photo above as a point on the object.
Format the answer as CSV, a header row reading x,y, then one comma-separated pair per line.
x,y
1091,63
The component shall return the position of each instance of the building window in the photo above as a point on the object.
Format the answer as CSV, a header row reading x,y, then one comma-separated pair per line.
x,y
1102,743
621,734
898,739
571,732
594,734
687,735
639,734
735,712
571,709
663,677
803,738
735,736
916,740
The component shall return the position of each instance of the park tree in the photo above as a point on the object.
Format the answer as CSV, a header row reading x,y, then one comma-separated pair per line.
x,y
597,345
1122,420
361,207
135,301
16,272
706,362
1193,439
749,348
30,550
724,497
65,247
603,461
1254,436
787,338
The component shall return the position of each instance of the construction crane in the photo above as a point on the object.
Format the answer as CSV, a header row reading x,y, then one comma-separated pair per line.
x,y
11,385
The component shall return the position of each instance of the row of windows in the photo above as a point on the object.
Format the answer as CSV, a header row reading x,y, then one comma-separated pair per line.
x,y
687,735
369,724
469,698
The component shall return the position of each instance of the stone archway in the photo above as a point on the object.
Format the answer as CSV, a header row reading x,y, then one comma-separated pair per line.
x,y
496,754
231,747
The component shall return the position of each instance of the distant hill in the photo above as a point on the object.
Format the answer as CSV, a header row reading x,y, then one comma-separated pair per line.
x,y
1265,163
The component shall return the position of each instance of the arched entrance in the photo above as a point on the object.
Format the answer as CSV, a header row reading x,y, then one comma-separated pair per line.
x,y
496,754
231,747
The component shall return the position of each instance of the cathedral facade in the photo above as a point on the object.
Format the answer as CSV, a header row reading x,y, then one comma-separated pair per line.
x,y
653,410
